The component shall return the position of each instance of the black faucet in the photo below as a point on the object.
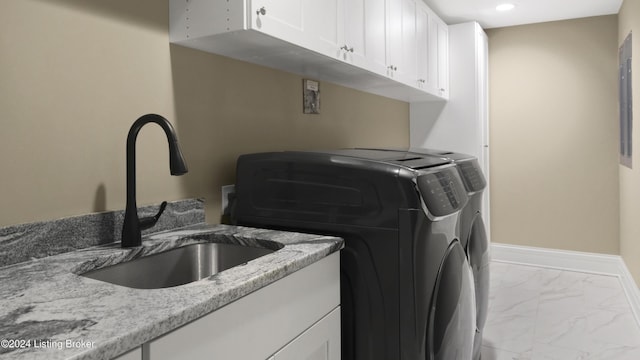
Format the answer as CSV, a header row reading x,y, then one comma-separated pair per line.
x,y
132,224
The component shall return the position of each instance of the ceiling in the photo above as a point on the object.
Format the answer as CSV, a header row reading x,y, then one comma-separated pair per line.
x,y
525,11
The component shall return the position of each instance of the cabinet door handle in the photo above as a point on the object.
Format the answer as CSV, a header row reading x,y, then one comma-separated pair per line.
x,y
442,89
422,81
394,68
347,49
261,11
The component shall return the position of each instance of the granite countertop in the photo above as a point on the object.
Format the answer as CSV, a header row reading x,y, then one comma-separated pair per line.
x,y
68,316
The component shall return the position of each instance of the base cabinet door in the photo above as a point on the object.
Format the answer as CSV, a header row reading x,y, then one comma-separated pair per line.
x,y
135,354
256,326
319,342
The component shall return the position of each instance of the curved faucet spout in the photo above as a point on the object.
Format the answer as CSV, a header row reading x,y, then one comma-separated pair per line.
x,y
132,224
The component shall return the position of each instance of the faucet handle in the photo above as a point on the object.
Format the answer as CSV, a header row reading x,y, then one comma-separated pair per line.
x,y
149,221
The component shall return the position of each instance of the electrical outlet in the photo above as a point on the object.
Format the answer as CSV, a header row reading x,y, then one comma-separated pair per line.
x,y
227,190
311,97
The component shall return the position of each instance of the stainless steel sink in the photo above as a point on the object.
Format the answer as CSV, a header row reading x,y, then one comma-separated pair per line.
x,y
178,266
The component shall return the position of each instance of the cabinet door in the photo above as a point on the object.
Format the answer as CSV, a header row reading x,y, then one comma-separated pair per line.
x,y
401,40
375,33
135,354
443,58
281,19
394,36
320,342
423,78
257,325
364,34
316,25
355,32
324,26
432,46
409,41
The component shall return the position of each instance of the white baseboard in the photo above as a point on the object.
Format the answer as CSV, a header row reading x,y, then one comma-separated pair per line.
x,y
610,265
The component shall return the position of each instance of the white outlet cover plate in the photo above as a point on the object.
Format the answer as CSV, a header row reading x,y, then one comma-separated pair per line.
x,y
226,190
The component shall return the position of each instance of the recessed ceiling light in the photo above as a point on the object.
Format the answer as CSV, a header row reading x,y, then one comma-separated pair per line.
x,y
505,7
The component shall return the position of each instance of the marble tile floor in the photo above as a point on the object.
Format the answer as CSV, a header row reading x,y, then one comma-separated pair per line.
x,y
539,313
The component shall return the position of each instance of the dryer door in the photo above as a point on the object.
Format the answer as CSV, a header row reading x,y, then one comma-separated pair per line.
x,y
452,316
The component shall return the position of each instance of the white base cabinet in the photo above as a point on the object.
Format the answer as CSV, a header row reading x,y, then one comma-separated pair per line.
x,y
319,342
297,317
135,354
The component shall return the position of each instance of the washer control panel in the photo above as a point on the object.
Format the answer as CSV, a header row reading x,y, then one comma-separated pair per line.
x,y
471,175
442,192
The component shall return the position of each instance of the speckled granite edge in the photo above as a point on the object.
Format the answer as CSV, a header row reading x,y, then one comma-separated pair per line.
x,y
36,240
46,299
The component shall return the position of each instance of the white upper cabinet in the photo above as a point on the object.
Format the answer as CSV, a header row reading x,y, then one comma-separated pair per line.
x,y
352,31
364,34
313,24
394,48
443,58
409,39
325,32
394,36
432,47
424,79
355,34
401,40
282,19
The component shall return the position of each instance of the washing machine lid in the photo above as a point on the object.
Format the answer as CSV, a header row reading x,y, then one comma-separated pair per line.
x,y
451,155
441,190
468,166
401,158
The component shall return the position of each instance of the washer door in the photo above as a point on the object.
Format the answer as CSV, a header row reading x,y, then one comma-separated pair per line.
x,y
452,316
479,260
